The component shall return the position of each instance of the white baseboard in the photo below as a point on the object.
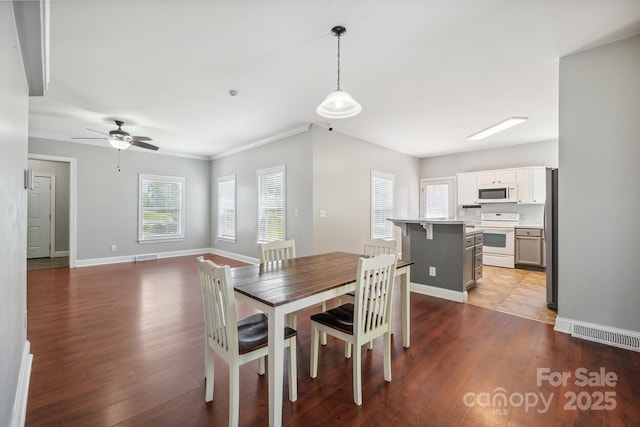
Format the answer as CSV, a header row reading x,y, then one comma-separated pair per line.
x,y
22,392
563,325
235,256
132,258
616,337
58,254
171,254
439,292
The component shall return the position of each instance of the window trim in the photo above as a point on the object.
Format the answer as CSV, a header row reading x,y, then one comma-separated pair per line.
x,y
271,171
219,236
392,178
162,178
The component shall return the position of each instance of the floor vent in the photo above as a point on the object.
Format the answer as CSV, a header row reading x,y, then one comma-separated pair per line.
x,y
146,257
627,340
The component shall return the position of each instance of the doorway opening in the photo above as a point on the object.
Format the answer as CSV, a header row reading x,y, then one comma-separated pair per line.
x,y
52,241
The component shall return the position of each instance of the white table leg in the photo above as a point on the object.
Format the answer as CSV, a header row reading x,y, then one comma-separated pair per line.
x,y
276,362
405,290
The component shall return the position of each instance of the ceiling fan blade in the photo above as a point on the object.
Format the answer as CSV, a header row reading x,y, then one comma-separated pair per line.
x,y
141,138
93,130
83,137
144,145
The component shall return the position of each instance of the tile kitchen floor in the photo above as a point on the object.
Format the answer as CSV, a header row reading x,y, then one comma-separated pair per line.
x,y
514,291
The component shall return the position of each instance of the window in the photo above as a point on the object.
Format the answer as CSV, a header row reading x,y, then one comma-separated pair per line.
x,y
227,207
271,200
161,208
437,198
381,205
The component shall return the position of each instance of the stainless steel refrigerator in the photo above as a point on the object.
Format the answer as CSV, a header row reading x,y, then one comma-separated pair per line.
x,y
551,237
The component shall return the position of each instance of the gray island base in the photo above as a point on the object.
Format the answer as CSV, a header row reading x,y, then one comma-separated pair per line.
x,y
438,250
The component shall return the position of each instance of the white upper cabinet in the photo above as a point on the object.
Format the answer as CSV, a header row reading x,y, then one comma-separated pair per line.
x,y
497,177
531,185
467,189
530,181
538,185
524,185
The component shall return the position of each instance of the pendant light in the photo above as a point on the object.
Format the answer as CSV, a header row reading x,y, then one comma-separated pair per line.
x,y
338,104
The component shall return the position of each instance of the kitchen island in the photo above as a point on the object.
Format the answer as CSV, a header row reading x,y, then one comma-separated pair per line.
x,y
440,250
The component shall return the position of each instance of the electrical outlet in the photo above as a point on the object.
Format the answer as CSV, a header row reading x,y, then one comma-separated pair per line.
x,y
114,248
432,271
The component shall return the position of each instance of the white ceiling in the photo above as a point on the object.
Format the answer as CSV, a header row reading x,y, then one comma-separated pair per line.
x,y
427,73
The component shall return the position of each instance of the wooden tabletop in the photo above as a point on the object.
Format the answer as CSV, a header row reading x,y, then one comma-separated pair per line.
x,y
278,283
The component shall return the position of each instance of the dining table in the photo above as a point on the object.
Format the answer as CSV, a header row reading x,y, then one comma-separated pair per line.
x,y
282,287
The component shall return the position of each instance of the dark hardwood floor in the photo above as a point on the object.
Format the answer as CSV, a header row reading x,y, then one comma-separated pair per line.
x,y
123,345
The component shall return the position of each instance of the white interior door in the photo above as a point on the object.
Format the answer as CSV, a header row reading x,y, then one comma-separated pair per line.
x,y
438,198
39,218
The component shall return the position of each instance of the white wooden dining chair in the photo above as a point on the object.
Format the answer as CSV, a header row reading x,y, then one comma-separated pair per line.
x,y
236,342
363,321
373,247
370,248
282,250
278,250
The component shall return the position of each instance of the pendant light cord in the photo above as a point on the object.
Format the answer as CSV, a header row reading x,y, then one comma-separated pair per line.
x,y
339,61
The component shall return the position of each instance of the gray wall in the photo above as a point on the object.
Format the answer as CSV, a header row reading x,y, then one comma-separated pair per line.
x,y
61,171
342,168
107,200
544,153
14,109
295,153
599,232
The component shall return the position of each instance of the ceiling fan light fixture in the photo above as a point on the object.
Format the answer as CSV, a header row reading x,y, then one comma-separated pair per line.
x,y
338,104
119,143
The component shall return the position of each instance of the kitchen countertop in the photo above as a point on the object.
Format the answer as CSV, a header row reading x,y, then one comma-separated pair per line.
x,y
471,231
427,221
538,226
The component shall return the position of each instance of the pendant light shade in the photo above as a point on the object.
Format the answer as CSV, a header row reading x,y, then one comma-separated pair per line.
x,y
338,104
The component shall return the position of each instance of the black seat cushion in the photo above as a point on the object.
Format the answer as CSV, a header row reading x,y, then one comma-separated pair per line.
x,y
253,333
340,318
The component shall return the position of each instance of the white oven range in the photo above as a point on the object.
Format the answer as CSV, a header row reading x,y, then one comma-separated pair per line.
x,y
499,238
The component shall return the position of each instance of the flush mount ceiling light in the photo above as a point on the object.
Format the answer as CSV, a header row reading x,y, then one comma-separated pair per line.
x,y
338,104
498,127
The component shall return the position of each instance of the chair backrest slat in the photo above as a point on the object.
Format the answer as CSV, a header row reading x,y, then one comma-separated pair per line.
x,y
373,247
374,292
219,301
279,250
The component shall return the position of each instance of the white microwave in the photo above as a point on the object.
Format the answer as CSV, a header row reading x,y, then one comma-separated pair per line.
x,y
497,193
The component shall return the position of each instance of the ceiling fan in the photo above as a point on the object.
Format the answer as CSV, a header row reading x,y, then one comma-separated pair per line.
x,y
121,140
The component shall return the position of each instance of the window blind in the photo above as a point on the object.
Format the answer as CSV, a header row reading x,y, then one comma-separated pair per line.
x,y
381,205
161,209
227,207
271,204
